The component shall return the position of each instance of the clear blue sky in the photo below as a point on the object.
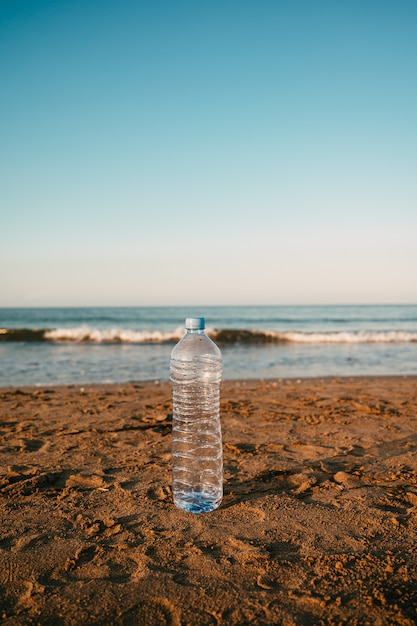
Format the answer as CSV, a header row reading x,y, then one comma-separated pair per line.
x,y
223,152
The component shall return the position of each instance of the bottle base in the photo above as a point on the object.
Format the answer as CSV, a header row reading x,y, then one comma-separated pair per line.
x,y
197,503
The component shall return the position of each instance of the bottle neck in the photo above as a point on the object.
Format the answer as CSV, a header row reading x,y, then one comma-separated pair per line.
x,y
195,331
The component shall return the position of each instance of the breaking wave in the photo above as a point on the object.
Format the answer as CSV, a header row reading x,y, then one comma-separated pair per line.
x,y
85,334
312,337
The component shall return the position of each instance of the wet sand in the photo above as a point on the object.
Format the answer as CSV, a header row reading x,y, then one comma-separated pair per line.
x,y
317,525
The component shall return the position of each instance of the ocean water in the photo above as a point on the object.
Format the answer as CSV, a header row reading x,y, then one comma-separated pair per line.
x,y
48,346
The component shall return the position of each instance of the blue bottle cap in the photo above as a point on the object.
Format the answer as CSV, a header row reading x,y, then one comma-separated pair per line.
x,y
195,323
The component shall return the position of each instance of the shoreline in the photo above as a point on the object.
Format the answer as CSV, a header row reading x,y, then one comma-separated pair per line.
x,y
318,521
225,381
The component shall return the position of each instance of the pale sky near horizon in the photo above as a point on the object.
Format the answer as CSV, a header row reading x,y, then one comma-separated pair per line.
x,y
226,152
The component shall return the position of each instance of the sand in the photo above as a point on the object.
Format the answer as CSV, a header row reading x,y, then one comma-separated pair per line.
x,y
317,525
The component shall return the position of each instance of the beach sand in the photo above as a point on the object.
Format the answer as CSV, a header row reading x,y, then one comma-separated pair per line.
x,y
317,525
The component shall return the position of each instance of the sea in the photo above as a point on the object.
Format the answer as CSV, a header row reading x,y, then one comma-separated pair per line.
x,y
55,346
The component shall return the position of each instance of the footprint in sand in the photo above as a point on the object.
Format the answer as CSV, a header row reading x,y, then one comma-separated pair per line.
x,y
159,493
141,565
244,552
33,445
152,609
83,481
81,557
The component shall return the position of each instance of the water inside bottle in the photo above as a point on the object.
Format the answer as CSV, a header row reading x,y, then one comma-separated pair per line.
x,y
196,438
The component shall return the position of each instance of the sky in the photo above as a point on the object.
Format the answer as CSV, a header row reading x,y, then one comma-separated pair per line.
x,y
226,152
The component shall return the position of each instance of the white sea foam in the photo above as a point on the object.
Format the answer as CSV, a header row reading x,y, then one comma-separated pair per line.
x,y
86,334
347,337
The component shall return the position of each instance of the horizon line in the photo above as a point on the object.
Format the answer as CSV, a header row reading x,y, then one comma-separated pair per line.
x,y
200,306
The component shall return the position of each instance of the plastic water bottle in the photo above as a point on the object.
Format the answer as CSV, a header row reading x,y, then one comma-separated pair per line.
x,y
197,455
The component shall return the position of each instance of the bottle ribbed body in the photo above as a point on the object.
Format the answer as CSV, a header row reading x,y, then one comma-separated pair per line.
x,y
197,456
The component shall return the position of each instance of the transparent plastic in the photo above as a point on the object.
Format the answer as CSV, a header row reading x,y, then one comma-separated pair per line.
x,y
197,454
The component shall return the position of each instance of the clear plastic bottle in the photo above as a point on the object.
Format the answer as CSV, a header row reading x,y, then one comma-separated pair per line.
x,y
197,454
